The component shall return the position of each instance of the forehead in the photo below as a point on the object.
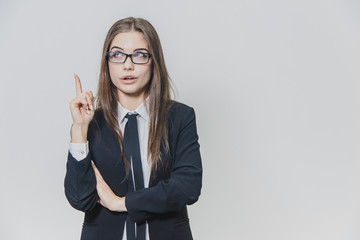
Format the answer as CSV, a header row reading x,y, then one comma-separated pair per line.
x,y
129,41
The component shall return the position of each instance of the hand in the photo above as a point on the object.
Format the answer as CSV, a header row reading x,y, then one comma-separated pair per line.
x,y
82,106
107,197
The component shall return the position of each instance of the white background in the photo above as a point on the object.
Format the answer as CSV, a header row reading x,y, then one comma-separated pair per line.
x,y
275,86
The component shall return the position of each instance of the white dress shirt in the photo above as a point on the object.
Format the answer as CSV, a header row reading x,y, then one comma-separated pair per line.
x,y
80,150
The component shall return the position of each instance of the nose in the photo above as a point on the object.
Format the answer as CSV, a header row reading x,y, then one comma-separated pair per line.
x,y
128,64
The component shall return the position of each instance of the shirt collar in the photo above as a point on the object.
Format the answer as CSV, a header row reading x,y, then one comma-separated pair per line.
x,y
142,110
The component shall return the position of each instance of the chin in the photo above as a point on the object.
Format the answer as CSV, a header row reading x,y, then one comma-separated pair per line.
x,y
132,91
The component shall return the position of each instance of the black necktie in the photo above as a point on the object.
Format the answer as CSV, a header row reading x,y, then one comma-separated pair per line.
x,y
136,179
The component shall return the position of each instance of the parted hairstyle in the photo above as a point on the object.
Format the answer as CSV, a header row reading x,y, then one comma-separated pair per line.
x,y
158,89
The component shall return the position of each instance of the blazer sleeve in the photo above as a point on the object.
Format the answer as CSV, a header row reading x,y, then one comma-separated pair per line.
x,y
184,185
80,183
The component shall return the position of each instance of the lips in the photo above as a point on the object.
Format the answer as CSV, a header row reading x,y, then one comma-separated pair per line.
x,y
129,79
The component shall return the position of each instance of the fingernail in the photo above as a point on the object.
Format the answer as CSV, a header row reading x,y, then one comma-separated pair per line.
x,y
91,107
88,112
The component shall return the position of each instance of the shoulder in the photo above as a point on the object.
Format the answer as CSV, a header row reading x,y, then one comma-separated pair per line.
x,y
178,108
180,113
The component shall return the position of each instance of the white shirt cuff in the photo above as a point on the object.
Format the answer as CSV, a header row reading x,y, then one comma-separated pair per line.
x,y
79,150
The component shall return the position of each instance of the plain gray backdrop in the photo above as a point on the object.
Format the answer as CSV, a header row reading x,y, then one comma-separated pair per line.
x,y
274,84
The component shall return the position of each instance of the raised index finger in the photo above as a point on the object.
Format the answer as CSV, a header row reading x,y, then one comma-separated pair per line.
x,y
77,85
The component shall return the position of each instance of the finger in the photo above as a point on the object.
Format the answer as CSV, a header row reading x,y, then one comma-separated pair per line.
x,y
79,103
101,185
95,168
88,105
97,172
83,102
93,165
92,95
77,85
89,101
101,202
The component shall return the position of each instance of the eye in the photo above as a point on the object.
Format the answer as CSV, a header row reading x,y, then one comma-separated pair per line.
x,y
118,54
140,55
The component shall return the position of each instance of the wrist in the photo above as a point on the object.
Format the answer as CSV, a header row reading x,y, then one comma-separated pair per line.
x,y
79,133
119,204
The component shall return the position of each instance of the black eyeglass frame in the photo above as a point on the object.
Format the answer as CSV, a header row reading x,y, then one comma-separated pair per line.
x,y
127,55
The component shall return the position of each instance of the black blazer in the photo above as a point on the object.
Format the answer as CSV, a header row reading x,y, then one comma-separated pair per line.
x,y
163,205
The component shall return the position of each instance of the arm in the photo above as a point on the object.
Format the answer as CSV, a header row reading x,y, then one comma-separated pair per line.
x,y
85,186
184,185
80,181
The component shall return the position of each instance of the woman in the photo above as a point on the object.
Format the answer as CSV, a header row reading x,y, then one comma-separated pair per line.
x,y
133,186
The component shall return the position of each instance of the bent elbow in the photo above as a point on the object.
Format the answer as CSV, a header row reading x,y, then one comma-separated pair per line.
x,y
82,204
194,198
195,192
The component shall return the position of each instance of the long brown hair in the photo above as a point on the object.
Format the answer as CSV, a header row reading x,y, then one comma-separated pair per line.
x,y
158,90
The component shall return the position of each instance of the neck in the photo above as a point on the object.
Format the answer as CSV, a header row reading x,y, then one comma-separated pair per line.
x,y
131,102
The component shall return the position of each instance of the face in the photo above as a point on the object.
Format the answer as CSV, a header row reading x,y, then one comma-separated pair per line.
x,y
130,79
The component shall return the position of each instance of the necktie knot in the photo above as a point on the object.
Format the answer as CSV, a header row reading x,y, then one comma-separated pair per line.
x,y
131,116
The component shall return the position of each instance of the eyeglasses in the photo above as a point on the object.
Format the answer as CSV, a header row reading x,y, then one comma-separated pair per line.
x,y
136,58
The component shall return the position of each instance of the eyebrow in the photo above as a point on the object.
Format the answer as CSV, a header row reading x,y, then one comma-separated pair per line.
x,y
137,49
